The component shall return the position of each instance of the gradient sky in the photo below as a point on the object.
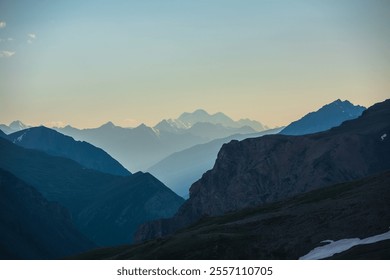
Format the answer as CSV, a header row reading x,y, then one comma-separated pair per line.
x,y
87,62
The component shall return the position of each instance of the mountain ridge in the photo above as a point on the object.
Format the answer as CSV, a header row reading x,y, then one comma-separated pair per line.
x,y
180,169
80,189
356,209
274,167
57,144
13,127
328,116
186,120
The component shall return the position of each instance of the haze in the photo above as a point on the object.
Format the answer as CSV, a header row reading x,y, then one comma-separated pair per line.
x,y
87,62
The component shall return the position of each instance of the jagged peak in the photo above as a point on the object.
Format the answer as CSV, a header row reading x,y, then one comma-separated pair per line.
x,y
143,126
109,124
17,124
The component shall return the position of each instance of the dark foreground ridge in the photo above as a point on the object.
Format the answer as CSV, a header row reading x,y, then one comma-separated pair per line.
x,y
282,230
105,208
32,227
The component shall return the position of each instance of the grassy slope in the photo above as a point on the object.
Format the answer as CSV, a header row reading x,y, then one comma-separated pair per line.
x,y
284,230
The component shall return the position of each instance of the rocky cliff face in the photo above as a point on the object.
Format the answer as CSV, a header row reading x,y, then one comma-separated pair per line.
x,y
271,168
282,230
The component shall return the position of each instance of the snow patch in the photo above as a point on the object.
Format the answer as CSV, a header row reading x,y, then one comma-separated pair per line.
x,y
20,138
156,131
342,245
383,136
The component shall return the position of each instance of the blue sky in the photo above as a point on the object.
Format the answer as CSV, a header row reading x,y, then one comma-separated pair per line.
x,y
86,62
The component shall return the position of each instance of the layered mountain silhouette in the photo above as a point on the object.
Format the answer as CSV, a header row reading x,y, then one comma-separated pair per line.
x,y
188,120
271,168
283,230
252,203
13,127
179,170
141,147
330,115
104,207
135,148
57,144
32,227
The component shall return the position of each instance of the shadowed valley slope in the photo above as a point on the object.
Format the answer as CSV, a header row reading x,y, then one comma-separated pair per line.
x,y
272,168
119,203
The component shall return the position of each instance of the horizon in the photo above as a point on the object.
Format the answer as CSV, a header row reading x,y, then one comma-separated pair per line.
x,y
63,125
132,62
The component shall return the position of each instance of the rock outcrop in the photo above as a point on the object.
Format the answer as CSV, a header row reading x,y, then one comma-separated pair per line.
x,y
288,229
261,170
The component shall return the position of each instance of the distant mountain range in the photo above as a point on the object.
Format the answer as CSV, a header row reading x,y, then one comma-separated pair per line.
x,y
188,120
105,208
179,170
141,147
272,168
13,127
258,193
32,227
57,144
330,115
135,148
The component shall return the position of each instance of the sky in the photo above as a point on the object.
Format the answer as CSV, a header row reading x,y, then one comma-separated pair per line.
x,y
84,63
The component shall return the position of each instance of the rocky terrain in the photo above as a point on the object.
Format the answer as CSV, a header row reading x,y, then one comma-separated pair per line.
x,y
262,170
283,230
179,170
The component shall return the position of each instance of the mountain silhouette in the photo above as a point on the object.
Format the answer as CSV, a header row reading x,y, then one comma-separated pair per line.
x,y
330,115
188,120
139,148
57,144
179,170
13,127
32,227
135,148
288,229
271,168
120,203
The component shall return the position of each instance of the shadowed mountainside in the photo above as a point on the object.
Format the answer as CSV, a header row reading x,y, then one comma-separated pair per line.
x,y
283,230
119,203
32,227
274,167
57,144
179,170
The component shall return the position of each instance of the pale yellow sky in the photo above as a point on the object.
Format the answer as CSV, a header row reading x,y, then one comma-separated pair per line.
x,y
135,62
